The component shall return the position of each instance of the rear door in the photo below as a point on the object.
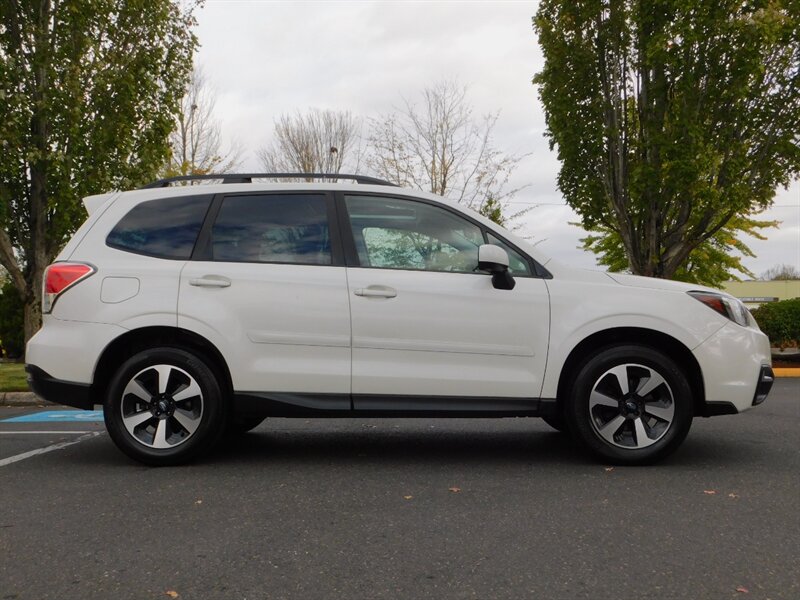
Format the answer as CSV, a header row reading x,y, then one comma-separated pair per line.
x,y
268,287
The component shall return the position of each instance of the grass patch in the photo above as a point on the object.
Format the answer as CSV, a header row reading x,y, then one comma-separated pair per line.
x,y
12,378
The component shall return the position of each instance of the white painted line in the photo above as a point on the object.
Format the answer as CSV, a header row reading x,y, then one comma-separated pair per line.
x,y
59,446
42,432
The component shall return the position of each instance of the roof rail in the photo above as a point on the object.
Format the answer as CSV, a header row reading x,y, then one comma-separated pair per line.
x,y
248,178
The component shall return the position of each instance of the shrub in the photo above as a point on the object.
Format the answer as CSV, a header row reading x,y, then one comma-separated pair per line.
x,y
12,329
781,322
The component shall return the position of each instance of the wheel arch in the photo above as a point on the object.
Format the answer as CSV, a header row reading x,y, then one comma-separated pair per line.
x,y
656,340
136,340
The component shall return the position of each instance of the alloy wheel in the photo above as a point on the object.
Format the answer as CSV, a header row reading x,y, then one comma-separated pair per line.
x,y
162,406
631,406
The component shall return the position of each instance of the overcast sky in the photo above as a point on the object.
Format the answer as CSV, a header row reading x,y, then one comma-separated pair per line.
x,y
267,58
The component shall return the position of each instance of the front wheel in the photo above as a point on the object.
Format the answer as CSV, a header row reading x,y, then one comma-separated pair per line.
x,y
241,425
630,405
164,407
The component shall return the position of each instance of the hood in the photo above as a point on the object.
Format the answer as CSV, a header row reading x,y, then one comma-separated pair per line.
x,y
653,283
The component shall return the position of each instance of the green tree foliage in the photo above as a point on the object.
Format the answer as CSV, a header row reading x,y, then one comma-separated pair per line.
x,y
675,121
781,322
89,90
12,339
713,262
492,209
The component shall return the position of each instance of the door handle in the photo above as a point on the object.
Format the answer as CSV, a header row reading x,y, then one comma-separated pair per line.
x,y
211,281
376,291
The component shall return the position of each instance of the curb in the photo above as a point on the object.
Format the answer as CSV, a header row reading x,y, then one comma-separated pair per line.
x,y
19,399
787,372
22,399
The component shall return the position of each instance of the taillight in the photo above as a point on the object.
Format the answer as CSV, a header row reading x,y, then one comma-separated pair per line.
x,y
58,278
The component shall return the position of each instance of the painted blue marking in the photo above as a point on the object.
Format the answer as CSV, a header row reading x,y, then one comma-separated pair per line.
x,y
58,416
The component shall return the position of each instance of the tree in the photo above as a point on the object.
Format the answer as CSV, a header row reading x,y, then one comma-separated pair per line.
x,y
780,321
441,148
318,141
195,142
713,262
674,121
88,96
12,310
781,273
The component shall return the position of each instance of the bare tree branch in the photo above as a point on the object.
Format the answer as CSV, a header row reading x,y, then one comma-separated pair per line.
x,y
196,141
438,146
318,141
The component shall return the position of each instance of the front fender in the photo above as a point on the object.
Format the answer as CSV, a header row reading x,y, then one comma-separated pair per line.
x,y
580,310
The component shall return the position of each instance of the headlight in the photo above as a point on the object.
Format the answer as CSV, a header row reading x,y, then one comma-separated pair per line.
x,y
727,306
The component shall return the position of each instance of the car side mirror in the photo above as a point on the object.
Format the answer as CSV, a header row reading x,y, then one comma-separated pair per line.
x,y
495,260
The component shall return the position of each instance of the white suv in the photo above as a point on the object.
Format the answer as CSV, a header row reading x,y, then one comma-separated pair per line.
x,y
191,311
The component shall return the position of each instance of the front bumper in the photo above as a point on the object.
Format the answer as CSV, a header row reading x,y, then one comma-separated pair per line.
x,y
736,365
58,391
765,380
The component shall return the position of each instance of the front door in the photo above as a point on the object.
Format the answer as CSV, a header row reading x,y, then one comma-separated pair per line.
x,y
429,330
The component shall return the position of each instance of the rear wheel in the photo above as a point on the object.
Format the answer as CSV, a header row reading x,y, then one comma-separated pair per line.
x,y
557,422
630,405
164,407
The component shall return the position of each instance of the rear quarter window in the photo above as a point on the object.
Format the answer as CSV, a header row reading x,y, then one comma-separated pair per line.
x,y
164,228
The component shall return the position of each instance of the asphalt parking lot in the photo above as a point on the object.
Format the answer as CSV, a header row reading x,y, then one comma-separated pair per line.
x,y
404,509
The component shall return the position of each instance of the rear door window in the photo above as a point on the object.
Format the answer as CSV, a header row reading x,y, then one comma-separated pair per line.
x,y
164,228
273,228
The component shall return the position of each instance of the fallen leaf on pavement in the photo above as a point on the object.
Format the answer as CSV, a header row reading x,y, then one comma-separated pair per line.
x,y
732,495
172,594
742,590
455,490
710,492
407,497
199,502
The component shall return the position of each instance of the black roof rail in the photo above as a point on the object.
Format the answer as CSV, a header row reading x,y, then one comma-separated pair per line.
x,y
248,178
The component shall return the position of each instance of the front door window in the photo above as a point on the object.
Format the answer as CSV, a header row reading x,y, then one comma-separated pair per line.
x,y
403,234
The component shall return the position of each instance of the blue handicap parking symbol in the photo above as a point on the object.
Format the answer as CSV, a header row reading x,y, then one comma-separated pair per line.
x,y
59,416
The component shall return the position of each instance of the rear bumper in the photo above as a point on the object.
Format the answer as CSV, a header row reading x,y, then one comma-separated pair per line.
x,y
69,350
58,391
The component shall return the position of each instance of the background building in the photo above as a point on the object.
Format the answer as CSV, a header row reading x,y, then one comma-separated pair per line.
x,y
754,293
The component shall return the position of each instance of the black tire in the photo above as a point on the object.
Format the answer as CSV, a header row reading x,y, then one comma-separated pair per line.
x,y
241,425
641,429
557,422
184,374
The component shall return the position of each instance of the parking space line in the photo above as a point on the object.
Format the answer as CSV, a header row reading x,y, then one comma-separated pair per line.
x,y
52,416
59,446
41,432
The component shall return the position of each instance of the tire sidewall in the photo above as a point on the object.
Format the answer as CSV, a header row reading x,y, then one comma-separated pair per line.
x,y
238,425
579,417
212,422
